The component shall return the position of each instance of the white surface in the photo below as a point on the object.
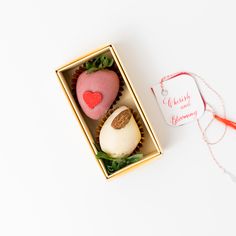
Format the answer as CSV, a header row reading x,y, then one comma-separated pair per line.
x,y
49,182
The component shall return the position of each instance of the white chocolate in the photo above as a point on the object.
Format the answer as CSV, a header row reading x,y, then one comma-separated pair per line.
x,y
119,142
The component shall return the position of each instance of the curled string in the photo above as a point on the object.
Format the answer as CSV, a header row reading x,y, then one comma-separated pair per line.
x,y
210,109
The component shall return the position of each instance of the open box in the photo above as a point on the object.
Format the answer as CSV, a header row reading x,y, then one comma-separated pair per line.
x,y
151,147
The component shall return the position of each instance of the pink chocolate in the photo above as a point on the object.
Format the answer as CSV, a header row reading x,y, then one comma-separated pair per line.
x,y
105,82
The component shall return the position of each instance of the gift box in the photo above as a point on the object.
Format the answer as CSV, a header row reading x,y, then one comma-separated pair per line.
x,y
127,96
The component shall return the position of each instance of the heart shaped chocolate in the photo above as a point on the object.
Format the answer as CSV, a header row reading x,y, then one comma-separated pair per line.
x,y
92,99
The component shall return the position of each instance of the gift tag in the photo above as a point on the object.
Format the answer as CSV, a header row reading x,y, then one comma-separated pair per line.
x,y
179,99
181,102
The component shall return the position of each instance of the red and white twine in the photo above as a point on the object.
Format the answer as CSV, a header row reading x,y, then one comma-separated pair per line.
x,y
210,109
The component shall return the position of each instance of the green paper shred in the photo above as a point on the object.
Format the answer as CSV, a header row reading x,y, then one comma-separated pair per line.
x,y
99,63
114,164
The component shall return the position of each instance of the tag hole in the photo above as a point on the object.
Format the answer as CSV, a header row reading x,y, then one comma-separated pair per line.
x,y
164,92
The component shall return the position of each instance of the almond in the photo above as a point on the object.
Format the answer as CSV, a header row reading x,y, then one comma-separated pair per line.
x,y
121,120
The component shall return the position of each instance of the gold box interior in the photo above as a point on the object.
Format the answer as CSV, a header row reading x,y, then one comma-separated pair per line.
x,y
150,148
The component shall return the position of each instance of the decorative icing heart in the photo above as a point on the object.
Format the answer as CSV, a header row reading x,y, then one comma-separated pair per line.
x,y
92,99
106,82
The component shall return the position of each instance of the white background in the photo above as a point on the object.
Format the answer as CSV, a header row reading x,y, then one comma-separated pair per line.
x,y
50,183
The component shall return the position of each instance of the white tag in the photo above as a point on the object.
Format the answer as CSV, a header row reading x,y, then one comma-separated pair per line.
x,y
179,99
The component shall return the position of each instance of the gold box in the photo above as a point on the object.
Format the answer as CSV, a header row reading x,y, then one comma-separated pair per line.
x,y
151,147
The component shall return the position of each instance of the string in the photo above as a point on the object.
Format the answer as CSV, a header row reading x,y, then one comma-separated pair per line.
x,y
225,121
211,110
203,131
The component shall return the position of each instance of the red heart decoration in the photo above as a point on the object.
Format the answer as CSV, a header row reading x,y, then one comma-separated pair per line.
x,y
92,99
